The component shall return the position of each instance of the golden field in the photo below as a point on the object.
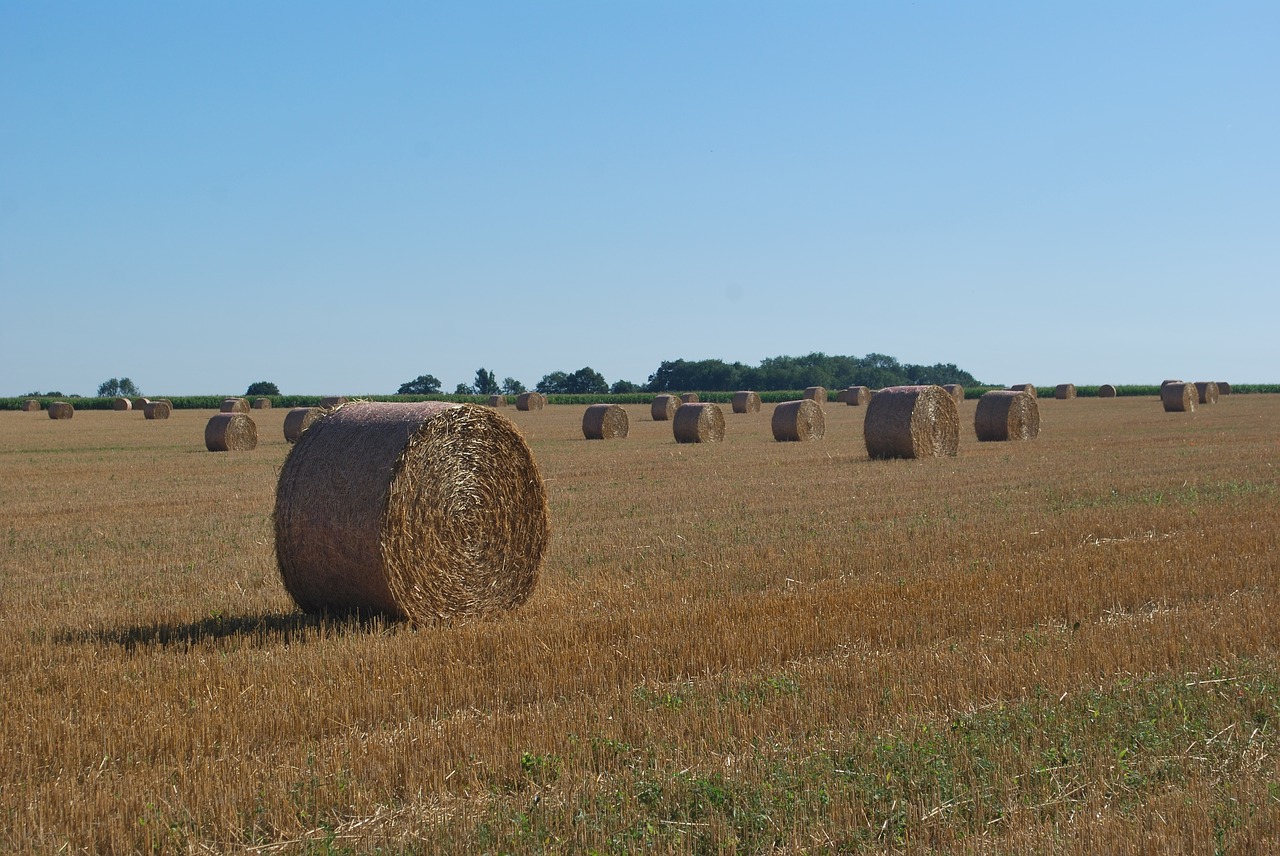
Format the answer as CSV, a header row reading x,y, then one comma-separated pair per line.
x,y
1068,645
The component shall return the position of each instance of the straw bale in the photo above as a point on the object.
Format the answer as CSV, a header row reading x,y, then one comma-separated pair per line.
x,y
912,422
698,422
141,403
1007,414
158,409
1224,388
816,393
1063,391
121,403
605,422
955,390
531,401
746,401
61,410
664,407
31,405
230,432
1178,397
235,405
1207,392
419,511
1028,388
333,401
497,401
857,396
1106,391
299,419
688,398
262,404
798,420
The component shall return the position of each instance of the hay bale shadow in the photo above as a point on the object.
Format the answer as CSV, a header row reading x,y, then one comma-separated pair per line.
x,y
255,631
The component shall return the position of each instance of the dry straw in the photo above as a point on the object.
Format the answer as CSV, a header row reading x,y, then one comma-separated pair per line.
x,y
299,419
1106,391
61,410
664,407
1207,392
798,420
159,409
230,432
698,422
955,390
497,401
121,403
1178,397
688,398
235,405
31,405
857,396
1063,391
418,511
1007,414
531,401
1028,388
605,422
746,401
816,393
262,404
912,422
333,401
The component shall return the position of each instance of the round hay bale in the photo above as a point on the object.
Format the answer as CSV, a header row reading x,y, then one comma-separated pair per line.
x,y
497,401
61,410
1106,391
1178,397
159,409
141,403
31,405
299,419
230,432
688,398
664,407
1063,391
798,420
912,422
262,404
816,393
1224,388
235,405
333,401
605,422
746,401
1207,392
1028,388
842,396
698,422
531,401
857,396
955,390
1007,414
121,403
418,511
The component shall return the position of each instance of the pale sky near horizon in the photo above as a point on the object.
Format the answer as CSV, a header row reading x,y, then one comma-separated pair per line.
x,y
339,197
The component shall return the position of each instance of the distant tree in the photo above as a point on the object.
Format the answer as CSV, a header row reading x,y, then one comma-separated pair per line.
x,y
550,383
421,385
486,383
585,380
117,386
511,386
621,387
262,387
463,389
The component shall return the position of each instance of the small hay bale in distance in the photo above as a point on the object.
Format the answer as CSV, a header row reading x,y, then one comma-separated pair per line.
x,y
688,398
1178,397
1007,414
955,390
299,419
141,403
698,422
531,401
121,403
912,422
816,393
663,408
333,401
746,401
1106,391
842,396
605,422
230,432
497,401
262,404
1063,391
1224,388
798,420
1207,392
234,405
61,410
31,405
1028,388
417,511
158,409
857,396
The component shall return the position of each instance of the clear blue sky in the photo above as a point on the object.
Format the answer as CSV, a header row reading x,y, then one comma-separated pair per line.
x,y
339,197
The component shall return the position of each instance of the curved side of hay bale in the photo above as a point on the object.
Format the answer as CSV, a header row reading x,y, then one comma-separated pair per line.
x,y
857,396
1028,388
912,422
1207,392
746,401
234,405
663,408
497,401
605,422
159,409
418,511
1006,414
530,401
121,403
61,410
688,398
816,393
1178,397
955,390
31,405
262,404
1106,391
798,420
1224,388
299,419
1064,391
698,422
230,432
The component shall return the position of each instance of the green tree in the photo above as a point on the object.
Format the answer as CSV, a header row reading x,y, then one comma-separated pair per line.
x,y
486,383
117,386
262,387
585,381
511,386
621,387
421,385
463,389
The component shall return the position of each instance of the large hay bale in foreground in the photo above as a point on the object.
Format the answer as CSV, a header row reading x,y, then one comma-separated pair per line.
x,y
531,401
799,420
1106,391
605,422
1007,414
1063,391
955,390
1224,388
816,393
121,403
158,409
1178,397
234,405
746,401
31,405
497,401
698,422
857,396
1207,392
688,398
230,432
664,407
418,511
299,419
912,422
61,410
1028,388
262,403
